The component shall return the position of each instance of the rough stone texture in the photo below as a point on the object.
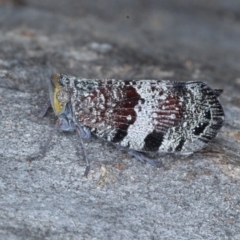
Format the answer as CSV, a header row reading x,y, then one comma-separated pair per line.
x,y
197,197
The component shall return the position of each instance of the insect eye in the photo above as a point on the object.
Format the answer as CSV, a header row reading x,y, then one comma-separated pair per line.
x,y
63,96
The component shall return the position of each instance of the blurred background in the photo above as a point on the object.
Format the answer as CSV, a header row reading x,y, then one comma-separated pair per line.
x,y
175,39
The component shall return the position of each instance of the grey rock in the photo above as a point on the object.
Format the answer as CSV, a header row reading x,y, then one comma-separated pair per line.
x,y
196,197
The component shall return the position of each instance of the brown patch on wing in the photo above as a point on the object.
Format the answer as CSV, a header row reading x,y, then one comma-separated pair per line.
x,y
167,114
109,106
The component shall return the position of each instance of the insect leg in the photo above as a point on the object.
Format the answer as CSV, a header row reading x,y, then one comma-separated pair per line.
x,y
45,147
45,107
84,133
139,156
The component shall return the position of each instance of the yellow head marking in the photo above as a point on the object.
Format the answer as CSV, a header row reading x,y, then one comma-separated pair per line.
x,y
59,96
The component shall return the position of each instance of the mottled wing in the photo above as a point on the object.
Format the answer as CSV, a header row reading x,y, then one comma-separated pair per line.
x,y
144,115
134,114
202,118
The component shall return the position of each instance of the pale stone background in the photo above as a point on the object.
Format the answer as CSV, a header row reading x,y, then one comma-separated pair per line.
x,y
197,197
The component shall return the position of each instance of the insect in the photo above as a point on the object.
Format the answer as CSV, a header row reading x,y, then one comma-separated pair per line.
x,y
141,116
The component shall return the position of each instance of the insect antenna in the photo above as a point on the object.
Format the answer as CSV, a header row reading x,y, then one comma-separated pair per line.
x,y
84,151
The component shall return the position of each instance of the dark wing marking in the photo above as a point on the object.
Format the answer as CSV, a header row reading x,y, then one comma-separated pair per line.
x,y
111,110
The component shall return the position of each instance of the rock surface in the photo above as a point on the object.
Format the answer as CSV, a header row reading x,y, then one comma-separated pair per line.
x,y
193,198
